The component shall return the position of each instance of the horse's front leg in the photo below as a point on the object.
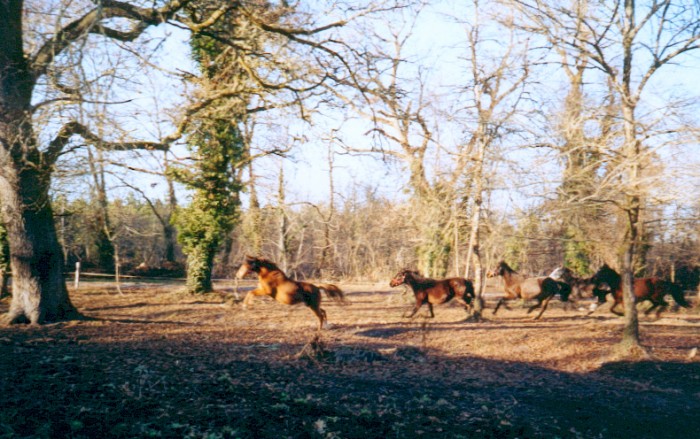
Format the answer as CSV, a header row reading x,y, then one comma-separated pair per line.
x,y
430,308
661,309
537,305
246,300
416,307
464,303
249,297
594,307
501,301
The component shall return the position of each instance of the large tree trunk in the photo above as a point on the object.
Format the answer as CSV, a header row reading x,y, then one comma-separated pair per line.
x,y
475,233
630,335
39,293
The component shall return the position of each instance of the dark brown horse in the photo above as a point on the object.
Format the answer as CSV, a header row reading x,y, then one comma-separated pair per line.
x,y
651,289
542,289
434,292
273,282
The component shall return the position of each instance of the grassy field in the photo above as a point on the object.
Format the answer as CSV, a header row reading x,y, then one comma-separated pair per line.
x,y
154,362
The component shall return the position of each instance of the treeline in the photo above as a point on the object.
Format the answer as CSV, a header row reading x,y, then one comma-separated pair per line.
x,y
369,237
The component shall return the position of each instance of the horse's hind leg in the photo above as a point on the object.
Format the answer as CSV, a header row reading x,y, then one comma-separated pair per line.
x,y
614,311
313,301
544,307
321,314
246,300
662,305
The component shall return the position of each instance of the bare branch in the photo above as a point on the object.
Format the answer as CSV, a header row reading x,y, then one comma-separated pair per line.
x,y
71,129
91,23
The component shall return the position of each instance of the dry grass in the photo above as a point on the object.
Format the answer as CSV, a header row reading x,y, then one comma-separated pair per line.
x,y
156,362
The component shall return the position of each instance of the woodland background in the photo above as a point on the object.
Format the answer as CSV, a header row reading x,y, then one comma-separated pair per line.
x,y
441,132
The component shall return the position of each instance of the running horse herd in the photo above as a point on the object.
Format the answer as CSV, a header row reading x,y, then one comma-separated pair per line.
x,y
562,283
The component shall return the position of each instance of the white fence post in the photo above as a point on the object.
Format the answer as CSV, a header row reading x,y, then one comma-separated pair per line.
x,y
76,282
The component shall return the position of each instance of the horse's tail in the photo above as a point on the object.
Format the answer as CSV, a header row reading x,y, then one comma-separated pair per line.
x,y
677,294
333,292
469,289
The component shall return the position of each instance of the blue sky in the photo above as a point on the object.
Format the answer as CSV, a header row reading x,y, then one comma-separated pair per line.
x,y
433,46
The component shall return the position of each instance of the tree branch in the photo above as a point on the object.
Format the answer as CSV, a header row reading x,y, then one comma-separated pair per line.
x,y
73,128
90,23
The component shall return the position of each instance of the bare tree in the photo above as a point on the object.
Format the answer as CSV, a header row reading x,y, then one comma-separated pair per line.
x,y
26,162
395,98
627,44
494,88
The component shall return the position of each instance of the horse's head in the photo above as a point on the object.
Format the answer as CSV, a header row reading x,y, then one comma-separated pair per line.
x,y
251,264
604,280
402,277
501,269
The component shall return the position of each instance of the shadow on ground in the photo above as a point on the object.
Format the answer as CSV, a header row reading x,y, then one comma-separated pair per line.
x,y
77,381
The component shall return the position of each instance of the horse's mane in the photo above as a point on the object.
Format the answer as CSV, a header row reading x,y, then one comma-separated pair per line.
x,y
506,267
262,262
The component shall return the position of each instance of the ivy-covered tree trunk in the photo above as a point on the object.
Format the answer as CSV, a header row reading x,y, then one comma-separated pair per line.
x,y
200,262
169,231
213,211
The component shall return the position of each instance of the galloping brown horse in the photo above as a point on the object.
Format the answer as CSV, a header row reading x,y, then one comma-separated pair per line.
x,y
434,292
517,286
273,282
652,289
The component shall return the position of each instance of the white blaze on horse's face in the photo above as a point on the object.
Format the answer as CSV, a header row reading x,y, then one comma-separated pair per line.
x,y
243,271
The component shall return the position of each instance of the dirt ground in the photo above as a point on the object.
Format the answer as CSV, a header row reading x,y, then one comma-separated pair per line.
x,y
154,362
